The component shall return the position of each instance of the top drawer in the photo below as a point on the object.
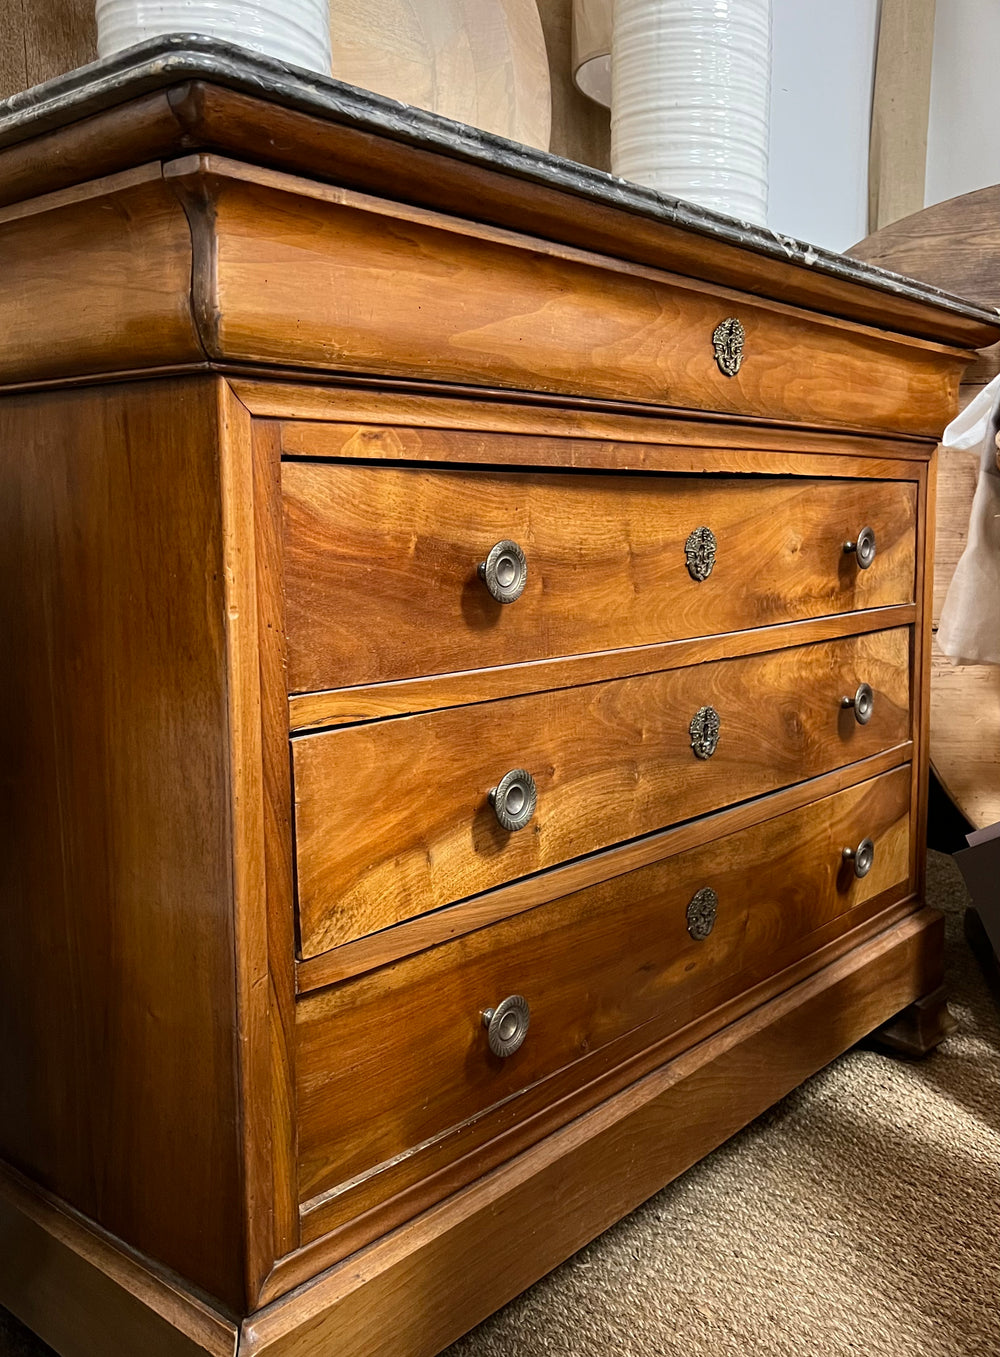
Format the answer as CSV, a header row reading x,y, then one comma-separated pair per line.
x,y
382,580
301,274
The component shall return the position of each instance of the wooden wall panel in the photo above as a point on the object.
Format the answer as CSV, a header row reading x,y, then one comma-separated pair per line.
x,y
43,38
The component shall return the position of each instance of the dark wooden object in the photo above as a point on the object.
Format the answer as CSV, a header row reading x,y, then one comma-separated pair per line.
x,y
244,315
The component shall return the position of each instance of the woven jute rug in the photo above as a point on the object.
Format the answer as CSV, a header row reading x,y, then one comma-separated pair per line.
x,y
860,1217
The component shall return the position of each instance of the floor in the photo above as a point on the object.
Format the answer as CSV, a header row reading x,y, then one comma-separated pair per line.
x,y
858,1218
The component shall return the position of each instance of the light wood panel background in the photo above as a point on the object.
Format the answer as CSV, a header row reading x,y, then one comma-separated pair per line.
x,y
900,107
43,38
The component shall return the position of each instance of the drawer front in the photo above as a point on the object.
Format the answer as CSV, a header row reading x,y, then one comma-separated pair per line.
x,y
592,966
329,280
382,580
394,818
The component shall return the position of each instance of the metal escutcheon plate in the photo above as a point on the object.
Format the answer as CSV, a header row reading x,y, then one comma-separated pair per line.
x,y
701,913
704,731
699,551
727,340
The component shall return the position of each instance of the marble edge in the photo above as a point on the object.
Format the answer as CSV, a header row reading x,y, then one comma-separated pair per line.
x,y
167,62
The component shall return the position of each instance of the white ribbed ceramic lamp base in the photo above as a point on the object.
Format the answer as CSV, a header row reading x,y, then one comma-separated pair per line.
x,y
690,82
296,31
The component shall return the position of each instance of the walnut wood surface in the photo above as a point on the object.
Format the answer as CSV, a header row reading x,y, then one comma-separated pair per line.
x,y
423,1285
371,702
381,564
453,1160
592,966
403,300
85,1296
429,930
497,429
96,279
42,39
290,271
260,815
117,1002
392,819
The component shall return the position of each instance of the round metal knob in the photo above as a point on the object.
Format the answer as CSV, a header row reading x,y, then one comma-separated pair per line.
x,y
863,703
864,547
514,798
505,571
507,1025
863,856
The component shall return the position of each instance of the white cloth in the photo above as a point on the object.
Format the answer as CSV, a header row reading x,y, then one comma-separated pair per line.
x,y
969,631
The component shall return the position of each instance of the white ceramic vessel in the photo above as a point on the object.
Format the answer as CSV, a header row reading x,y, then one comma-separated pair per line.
x,y
690,84
296,31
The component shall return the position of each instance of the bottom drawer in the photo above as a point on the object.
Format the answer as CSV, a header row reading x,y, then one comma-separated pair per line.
x,y
393,1060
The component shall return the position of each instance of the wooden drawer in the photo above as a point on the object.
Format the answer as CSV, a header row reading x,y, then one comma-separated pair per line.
x,y
393,818
381,563
593,966
307,275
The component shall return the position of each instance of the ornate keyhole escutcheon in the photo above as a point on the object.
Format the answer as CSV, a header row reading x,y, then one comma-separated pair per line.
x,y
701,913
728,339
699,551
704,731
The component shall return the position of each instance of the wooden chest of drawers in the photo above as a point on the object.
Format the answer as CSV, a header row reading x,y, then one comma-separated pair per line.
x,y
465,714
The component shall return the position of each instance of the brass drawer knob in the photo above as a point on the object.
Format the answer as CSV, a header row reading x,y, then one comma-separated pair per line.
x,y
863,856
514,799
863,548
863,703
505,571
507,1025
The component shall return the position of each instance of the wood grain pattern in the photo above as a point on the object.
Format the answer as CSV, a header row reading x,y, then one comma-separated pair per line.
x,y
592,966
388,425
454,1159
138,133
42,40
96,280
381,564
294,272
482,1246
477,61
270,1127
260,801
117,948
429,930
85,1296
347,706
611,761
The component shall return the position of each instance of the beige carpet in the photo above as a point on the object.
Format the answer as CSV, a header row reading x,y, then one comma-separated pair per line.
x,y
858,1218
